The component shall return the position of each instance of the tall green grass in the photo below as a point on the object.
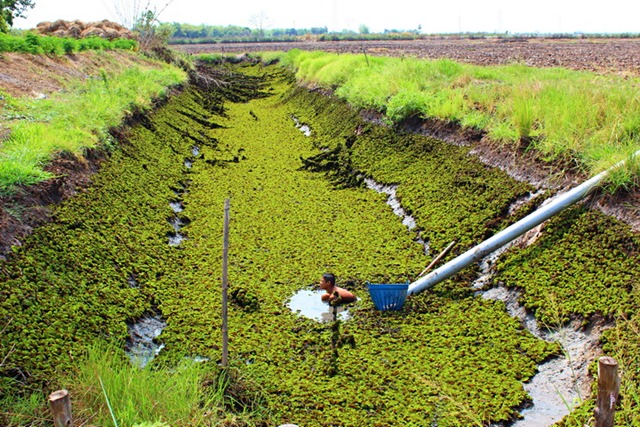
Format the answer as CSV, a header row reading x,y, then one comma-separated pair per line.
x,y
135,395
576,118
75,119
108,390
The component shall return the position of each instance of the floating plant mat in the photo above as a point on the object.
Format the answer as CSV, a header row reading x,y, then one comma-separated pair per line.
x,y
447,358
288,226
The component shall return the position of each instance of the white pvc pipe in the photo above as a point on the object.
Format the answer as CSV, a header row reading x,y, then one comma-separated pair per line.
x,y
557,204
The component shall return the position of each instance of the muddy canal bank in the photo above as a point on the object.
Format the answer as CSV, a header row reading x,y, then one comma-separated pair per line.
x,y
448,358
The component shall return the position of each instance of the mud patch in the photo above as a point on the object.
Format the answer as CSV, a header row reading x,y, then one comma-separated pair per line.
x,y
561,383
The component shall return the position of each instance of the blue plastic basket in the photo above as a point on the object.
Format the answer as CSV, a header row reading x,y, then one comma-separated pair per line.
x,y
388,296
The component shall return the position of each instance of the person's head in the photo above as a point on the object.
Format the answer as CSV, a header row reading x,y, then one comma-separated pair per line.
x,y
327,281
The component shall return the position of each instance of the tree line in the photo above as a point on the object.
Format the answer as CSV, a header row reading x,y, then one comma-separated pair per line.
x,y
183,32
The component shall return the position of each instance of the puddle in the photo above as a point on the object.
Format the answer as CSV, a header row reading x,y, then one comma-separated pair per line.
x,y
392,200
563,382
176,206
141,346
176,238
176,223
305,129
307,303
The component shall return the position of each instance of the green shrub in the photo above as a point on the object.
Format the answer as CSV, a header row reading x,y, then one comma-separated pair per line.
x,y
36,44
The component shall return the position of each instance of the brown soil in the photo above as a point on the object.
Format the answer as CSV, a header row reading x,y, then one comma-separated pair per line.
x,y
602,55
24,75
32,76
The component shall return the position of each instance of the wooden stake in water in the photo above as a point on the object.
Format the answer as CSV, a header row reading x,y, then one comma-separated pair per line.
x,y
608,390
225,262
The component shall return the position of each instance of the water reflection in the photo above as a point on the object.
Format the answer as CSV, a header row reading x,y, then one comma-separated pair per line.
x,y
307,303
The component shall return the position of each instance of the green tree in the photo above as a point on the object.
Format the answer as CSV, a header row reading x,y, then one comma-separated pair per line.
x,y
10,9
363,29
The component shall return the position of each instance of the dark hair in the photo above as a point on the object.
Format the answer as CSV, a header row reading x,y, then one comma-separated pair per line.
x,y
329,278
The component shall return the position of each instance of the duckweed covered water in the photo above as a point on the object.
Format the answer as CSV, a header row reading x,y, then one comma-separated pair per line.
x,y
447,359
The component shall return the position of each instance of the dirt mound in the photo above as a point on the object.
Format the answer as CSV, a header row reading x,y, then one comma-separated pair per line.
x,y
78,29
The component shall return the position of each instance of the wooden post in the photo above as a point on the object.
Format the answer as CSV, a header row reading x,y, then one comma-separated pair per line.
x,y
608,389
225,262
61,408
438,258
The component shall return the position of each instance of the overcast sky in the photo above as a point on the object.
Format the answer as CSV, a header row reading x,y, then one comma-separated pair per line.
x,y
442,16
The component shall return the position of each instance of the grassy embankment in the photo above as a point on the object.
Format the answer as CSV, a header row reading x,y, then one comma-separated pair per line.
x,y
80,116
575,119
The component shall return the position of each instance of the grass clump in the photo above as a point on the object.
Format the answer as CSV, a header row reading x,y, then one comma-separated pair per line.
x,y
50,45
571,117
175,396
108,389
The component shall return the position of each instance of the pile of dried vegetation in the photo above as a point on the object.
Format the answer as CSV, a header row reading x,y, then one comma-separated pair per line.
x,y
78,29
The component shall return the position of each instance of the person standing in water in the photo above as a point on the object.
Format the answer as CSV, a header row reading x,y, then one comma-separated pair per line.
x,y
334,294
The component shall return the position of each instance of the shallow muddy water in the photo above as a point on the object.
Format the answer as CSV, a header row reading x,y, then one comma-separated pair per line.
x,y
141,346
305,129
307,303
562,382
394,203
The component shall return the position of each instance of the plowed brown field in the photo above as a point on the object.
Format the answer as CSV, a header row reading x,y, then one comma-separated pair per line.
x,y
602,55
